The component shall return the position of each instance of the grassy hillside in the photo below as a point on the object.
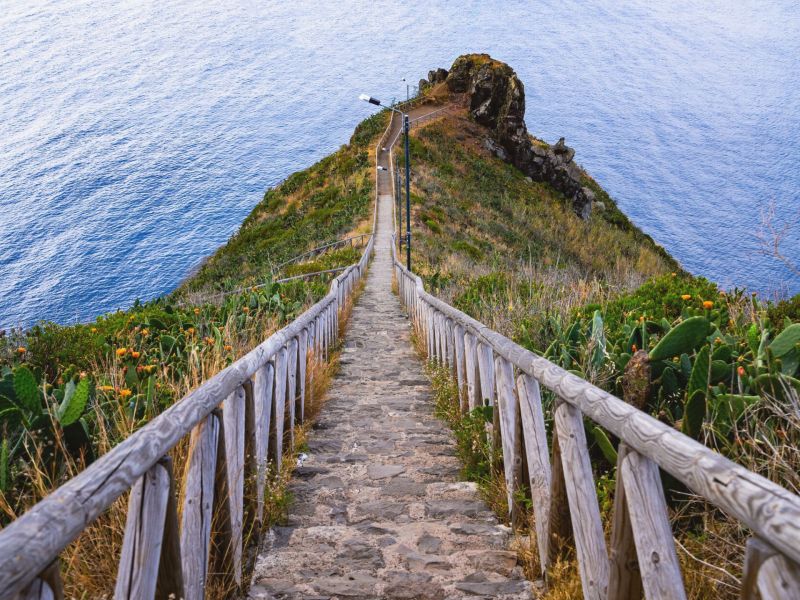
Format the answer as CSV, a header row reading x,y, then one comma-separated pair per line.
x,y
508,250
70,393
590,295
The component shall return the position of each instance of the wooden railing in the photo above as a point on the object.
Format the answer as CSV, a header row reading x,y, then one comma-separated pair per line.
x,y
238,421
491,369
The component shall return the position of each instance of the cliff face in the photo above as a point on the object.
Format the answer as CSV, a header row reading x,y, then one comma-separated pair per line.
x,y
496,99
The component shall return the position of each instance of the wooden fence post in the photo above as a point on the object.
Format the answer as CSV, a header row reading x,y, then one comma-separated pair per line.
x,y
625,581
233,414
279,409
458,343
302,364
538,458
473,375
262,395
655,548
508,409
198,505
584,509
291,385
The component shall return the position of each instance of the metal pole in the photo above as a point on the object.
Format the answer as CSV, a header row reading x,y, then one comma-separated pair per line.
x,y
406,126
397,197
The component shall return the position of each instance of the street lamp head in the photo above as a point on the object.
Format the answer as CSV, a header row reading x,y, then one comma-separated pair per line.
x,y
370,99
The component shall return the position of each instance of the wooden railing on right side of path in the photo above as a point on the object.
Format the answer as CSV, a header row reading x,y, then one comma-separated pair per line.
x,y
491,369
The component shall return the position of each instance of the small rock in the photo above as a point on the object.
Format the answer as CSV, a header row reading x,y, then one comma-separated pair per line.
x,y
412,586
493,588
384,471
493,561
429,544
463,508
354,586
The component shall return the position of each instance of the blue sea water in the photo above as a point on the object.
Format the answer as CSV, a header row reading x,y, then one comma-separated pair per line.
x,y
135,136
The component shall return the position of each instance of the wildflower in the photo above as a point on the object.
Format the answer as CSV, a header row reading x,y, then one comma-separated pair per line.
x,y
674,274
93,330
245,309
741,371
228,348
197,311
135,354
190,331
21,350
708,304
125,393
105,388
210,341
686,296
145,332
121,351
634,348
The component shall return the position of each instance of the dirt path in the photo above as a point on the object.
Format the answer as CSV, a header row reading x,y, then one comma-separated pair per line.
x,y
378,510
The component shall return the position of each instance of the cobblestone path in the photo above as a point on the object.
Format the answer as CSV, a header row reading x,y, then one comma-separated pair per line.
x,y
378,509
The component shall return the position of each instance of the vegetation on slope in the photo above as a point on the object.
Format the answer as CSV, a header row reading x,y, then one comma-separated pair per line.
x,y
722,367
71,393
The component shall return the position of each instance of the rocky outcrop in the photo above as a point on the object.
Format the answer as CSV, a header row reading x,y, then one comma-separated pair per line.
x,y
496,99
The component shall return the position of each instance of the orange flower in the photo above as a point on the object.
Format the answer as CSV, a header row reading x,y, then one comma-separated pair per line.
x,y
686,296
190,331
126,393
135,354
210,341
145,332
634,348
228,348
740,370
197,311
121,351
21,350
245,309
674,274
708,304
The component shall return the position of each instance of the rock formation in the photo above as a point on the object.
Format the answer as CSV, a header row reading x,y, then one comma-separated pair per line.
x,y
496,99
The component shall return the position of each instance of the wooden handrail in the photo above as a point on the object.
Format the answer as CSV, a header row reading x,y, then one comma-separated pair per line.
x,y
482,356
255,394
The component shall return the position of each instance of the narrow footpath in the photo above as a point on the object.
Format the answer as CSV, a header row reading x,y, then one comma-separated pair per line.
x,y
378,510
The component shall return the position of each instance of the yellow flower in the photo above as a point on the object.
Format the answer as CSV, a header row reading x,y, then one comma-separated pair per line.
x,y
121,351
686,296
674,274
145,332
93,330
708,304
197,311
105,388
125,393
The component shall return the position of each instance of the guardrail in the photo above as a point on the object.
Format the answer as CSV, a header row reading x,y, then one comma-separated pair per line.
x,y
237,421
490,368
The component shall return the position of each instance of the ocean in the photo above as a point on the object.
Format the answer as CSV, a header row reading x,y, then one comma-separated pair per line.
x,y
136,136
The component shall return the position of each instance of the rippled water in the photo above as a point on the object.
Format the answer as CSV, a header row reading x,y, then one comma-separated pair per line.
x,y
136,136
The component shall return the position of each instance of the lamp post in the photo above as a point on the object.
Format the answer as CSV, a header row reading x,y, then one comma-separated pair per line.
x,y
406,127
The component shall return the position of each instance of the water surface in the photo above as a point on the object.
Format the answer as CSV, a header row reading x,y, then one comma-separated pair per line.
x,y
136,136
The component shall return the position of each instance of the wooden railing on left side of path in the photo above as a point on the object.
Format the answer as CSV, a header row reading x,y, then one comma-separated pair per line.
x,y
238,421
